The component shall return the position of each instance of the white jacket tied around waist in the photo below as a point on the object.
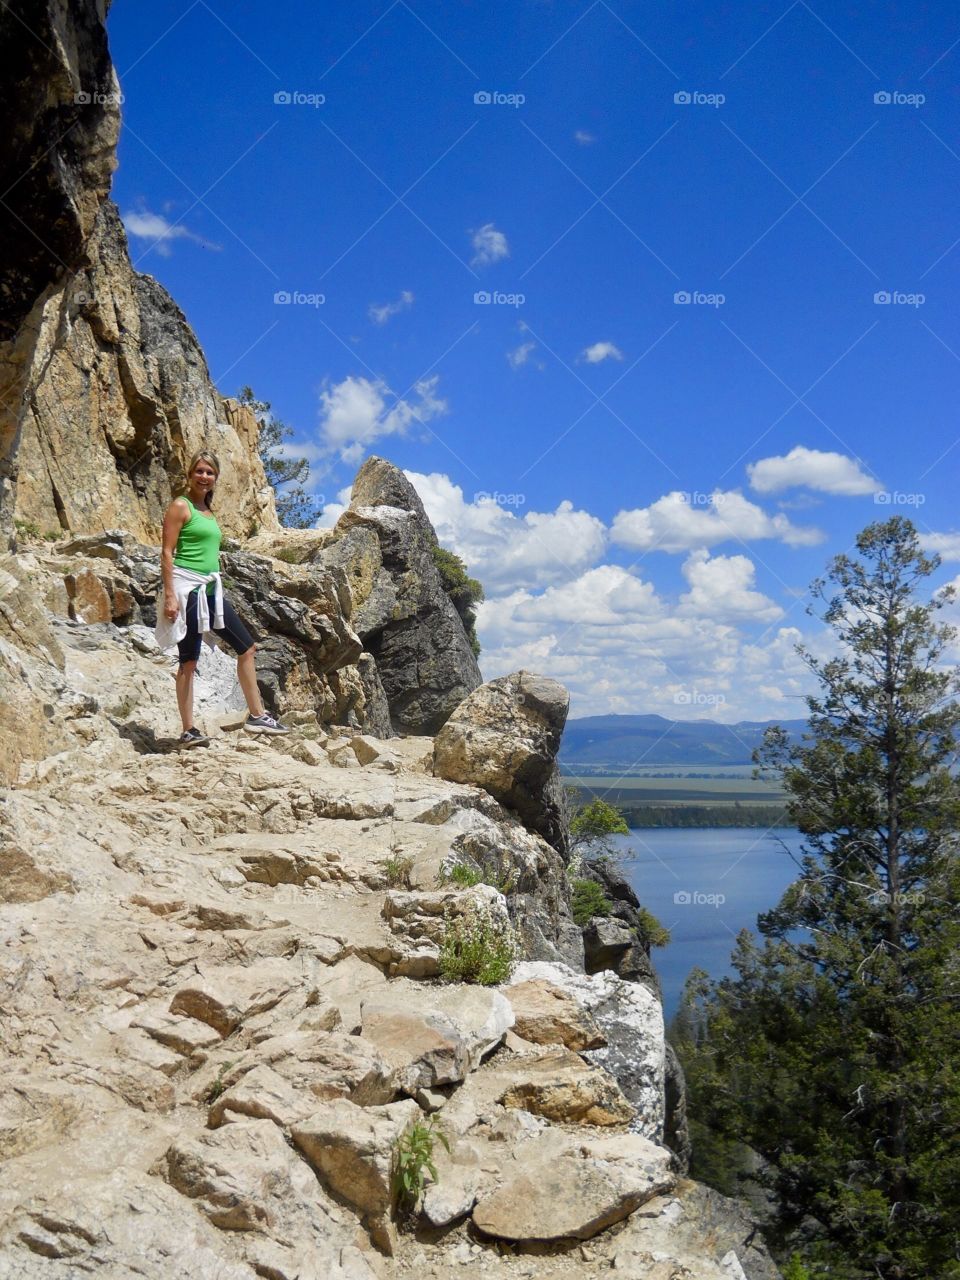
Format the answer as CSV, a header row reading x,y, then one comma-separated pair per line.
x,y
170,632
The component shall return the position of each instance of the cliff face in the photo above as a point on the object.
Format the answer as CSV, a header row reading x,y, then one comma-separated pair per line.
x,y
104,391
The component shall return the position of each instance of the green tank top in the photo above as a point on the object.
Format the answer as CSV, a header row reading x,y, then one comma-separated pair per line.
x,y
198,547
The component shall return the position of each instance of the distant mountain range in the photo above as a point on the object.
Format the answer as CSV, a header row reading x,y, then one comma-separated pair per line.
x,y
622,742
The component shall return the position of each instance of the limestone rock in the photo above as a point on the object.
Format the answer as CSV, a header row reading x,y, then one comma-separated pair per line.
x,y
459,1179
546,1014
553,1190
261,1094
504,737
183,1035
422,916
563,1088
405,618
614,942
351,1148
329,1065
698,1229
56,163
115,1224
245,1178
435,1036
631,1019
223,997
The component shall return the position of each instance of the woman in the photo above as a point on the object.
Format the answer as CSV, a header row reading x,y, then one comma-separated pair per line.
x,y
193,601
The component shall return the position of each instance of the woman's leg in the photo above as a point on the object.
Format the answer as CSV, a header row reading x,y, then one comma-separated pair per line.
x,y
185,693
237,635
247,675
189,653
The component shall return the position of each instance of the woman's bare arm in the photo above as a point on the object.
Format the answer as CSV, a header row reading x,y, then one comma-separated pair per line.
x,y
178,513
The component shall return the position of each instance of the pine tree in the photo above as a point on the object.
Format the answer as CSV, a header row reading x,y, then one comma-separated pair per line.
x,y
296,508
833,1052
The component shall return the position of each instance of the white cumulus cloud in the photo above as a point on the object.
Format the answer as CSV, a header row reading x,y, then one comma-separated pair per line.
x,y
601,351
616,641
357,411
722,587
677,523
813,469
143,225
946,545
489,245
503,545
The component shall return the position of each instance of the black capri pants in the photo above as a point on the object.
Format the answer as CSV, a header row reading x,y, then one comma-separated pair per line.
x,y
233,630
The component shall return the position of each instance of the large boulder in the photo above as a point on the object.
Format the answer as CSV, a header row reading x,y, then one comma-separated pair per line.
x,y
385,544
552,1189
434,1036
504,737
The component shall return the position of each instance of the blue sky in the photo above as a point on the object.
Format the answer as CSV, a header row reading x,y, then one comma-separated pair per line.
x,y
645,485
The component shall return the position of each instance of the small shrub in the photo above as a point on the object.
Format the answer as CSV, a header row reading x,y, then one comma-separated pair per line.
x,y
588,900
650,931
465,877
397,869
218,1086
289,555
477,948
52,535
28,528
413,1160
795,1270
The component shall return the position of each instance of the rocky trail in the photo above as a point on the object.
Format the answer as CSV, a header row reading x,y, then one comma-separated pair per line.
x,y
219,1018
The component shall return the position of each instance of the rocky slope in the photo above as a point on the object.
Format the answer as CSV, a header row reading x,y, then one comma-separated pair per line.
x,y
220,1016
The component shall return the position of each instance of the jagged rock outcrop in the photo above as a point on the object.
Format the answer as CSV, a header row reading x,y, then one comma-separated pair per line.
x,y
385,542
505,736
119,398
614,941
104,390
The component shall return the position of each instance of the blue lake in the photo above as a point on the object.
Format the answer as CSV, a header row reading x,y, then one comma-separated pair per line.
x,y
705,885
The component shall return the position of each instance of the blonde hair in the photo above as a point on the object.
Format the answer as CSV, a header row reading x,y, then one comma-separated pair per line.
x,y
204,455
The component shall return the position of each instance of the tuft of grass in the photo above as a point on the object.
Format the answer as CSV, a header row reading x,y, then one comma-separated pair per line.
x,y
477,948
461,875
588,900
465,877
413,1160
289,555
397,868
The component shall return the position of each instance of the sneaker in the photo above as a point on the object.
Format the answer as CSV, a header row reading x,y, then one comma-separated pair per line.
x,y
264,724
193,738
